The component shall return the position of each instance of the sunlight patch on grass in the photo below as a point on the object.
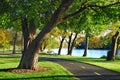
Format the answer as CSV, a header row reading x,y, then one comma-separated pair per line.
x,y
57,72
111,65
108,65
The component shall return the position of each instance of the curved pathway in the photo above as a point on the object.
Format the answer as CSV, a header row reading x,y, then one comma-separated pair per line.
x,y
85,71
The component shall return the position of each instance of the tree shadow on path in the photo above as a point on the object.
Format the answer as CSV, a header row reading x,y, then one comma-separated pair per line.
x,y
85,71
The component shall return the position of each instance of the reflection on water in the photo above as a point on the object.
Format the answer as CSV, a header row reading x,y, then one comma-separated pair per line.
x,y
79,52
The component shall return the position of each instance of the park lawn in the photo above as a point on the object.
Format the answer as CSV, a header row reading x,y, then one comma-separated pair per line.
x,y
111,65
57,72
9,51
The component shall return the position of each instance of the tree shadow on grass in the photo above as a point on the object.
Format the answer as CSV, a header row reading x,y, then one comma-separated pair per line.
x,y
16,70
10,57
88,59
68,77
56,77
52,77
73,60
7,70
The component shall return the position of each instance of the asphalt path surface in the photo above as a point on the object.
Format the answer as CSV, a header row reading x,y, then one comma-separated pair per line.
x,y
85,71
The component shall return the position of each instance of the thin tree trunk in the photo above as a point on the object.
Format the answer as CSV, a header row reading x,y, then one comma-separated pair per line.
x,y
86,45
69,44
114,45
61,42
30,57
72,44
111,54
14,43
44,45
118,41
21,43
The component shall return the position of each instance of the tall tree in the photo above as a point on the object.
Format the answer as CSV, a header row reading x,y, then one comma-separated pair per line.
x,y
59,33
86,45
30,57
71,43
14,42
74,27
111,54
115,42
5,39
61,38
59,14
61,43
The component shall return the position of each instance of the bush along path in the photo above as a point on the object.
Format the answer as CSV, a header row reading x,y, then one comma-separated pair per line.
x,y
85,71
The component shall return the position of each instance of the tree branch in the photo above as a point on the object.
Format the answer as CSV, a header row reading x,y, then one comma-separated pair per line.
x,y
98,8
75,13
102,7
82,8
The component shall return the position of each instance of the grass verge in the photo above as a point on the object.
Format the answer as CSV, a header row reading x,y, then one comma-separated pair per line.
x,y
57,72
111,65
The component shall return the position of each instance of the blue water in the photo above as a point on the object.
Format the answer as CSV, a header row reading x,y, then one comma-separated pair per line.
x,y
80,52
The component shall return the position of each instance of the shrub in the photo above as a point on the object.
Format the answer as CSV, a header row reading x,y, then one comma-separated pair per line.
x,y
103,57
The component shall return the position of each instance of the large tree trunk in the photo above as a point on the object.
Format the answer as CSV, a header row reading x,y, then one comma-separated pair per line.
x,y
86,45
61,42
30,57
111,54
14,43
29,35
25,32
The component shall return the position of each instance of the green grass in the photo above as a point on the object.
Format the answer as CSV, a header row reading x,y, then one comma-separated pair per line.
x,y
57,72
9,51
111,65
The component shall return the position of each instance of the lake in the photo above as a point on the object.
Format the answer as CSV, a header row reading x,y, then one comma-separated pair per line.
x,y
79,52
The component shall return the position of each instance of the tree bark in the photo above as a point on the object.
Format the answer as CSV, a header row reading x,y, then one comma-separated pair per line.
x,y
32,30
14,43
86,45
118,41
29,35
111,54
28,31
61,42
72,44
25,32
29,59
69,44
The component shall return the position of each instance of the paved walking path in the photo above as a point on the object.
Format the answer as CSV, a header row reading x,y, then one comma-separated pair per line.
x,y
85,71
